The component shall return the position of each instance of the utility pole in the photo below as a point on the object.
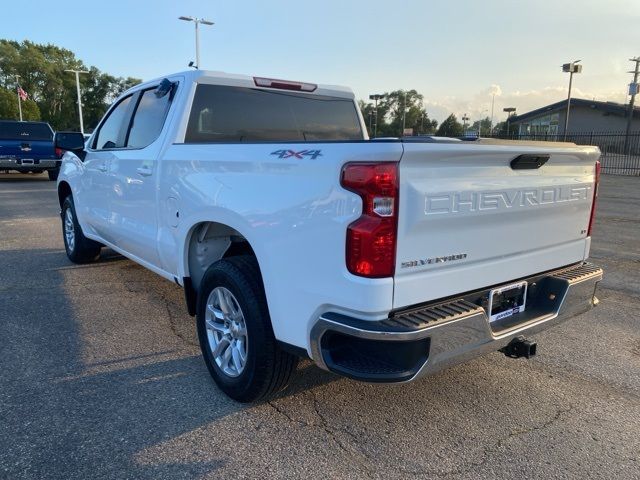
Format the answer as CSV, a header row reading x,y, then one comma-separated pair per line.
x,y
633,90
18,87
78,72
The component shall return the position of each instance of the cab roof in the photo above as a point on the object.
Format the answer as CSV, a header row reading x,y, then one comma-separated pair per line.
x,y
237,80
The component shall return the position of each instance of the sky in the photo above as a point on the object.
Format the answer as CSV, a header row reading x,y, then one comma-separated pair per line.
x,y
457,54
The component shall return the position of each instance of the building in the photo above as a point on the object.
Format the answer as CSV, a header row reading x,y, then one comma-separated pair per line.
x,y
585,116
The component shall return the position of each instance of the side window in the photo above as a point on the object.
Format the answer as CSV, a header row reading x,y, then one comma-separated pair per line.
x,y
113,130
148,119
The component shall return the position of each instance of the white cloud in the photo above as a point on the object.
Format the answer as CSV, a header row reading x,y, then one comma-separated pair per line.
x,y
478,104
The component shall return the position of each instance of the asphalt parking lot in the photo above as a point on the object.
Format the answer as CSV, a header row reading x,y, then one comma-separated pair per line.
x,y
102,378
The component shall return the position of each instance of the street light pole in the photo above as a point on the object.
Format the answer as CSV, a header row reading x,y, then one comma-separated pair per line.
x,y
197,22
571,68
465,118
375,97
78,72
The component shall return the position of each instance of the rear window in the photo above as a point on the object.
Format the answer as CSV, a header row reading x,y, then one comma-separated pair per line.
x,y
25,131
235,114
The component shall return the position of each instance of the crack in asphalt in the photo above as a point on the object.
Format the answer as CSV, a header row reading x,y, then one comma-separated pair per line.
x,y
487,452
173,322
355,454
368,467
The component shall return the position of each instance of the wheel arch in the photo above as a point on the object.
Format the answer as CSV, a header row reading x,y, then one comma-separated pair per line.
x,y
64,190
205,243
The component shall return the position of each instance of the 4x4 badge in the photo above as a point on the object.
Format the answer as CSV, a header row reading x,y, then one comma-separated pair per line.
x,y
301,154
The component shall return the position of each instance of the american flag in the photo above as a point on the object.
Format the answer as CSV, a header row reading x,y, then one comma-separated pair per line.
x,y
22,94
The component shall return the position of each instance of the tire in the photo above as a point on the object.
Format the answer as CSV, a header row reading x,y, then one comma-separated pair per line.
x,y
266,368
79,248
53,174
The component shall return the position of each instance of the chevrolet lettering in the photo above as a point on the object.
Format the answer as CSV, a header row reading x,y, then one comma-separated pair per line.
x,y
469,202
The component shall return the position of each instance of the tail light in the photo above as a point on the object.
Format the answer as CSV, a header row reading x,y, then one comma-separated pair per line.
x,y
595,198
59,152
284,84
371,239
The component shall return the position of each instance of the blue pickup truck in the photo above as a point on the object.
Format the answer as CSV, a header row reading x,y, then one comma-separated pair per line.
x,y
28,147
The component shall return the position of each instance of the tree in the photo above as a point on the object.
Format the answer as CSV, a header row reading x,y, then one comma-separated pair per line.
x,y
450,127
500,130
391,110
41,70
368,113
485,125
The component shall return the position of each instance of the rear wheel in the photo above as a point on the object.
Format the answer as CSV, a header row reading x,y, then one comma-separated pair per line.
x,y
234,329
53,174
79,248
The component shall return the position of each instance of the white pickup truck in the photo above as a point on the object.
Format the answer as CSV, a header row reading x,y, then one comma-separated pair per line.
x,y
293,234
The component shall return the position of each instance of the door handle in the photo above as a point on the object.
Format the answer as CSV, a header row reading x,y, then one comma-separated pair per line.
x,y
144,171
102,167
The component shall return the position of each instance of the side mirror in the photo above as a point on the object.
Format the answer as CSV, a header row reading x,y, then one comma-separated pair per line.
x,y
73,141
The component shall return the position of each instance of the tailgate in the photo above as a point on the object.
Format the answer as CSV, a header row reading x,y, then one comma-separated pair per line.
x,y
468,220
36,149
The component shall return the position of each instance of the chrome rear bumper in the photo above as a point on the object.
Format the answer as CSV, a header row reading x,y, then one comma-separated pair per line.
x,y
27,164
425,339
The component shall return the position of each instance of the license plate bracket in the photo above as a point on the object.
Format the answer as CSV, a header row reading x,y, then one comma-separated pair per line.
x,y
507,301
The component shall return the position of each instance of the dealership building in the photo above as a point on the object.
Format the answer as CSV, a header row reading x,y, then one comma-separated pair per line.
x,y
585,116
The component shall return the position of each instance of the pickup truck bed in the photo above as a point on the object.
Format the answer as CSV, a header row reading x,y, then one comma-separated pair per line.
x,y
294,234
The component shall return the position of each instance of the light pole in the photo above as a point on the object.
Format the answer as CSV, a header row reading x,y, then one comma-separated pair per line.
x,y
375,97
570,68
197,22
509,111
465,119
78,72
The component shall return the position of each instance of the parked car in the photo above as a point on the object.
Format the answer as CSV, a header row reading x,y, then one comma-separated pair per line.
x,y
293,234
28,147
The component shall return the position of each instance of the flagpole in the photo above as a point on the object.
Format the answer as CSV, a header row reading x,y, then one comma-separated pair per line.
x,y
18,92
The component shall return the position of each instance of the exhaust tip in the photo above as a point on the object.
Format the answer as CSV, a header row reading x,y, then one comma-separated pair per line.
x,y
520,347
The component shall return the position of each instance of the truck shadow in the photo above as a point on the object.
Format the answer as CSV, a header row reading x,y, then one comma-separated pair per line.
x,y
72,407
15,177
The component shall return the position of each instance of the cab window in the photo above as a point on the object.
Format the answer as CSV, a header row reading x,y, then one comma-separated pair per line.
x,y
148,119
112,132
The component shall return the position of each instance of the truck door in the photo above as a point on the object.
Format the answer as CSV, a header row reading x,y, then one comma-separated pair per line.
x,y
93,207
134,177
